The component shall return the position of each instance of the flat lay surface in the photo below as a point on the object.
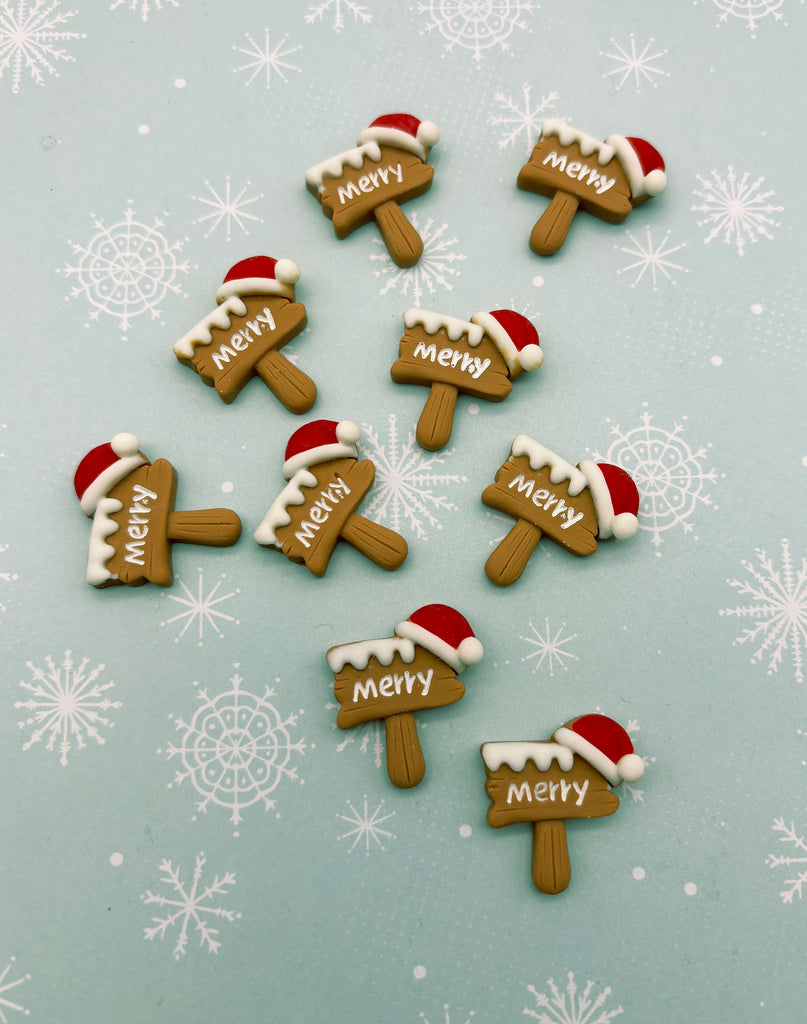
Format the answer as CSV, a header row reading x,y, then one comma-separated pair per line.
x,y
188,833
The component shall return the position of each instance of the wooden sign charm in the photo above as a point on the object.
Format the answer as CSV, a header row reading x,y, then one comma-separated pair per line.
x,y
326,484
131,503
387,167
480,358
395,677
242,338
577,171
547,783
573,505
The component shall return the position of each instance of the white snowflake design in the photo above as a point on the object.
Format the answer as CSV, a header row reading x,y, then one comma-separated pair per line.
x,y
144,7
548,650
405,481
435,268
228,208
338,8
794,887
479,26
31,32
571,1006
6,577
126,269
777,600
668,474
735,209
193,907
750,11
6,986
446,1016
67,706
201,610
635,64
521,118
365,827
236,749
637,795
651,263
368,737
266,61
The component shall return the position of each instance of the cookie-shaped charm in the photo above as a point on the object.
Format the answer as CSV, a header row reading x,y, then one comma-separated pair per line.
x,y
576,506
326,484
577,171
387,167
393,678
569,776
256,316
480,358
131,503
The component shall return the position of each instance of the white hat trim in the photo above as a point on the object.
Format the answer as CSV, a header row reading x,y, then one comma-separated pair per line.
x,y
427,136
107,479
651,184
595,757
287,273
528,358
457,657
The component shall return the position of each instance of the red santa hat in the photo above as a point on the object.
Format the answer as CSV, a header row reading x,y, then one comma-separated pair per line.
x,y
105,466
403,131
443,631
319,441
260,275
604,744
616,500
642,163
514,336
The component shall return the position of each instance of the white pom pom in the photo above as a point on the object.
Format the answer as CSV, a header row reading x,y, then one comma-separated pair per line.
x,y
124,445
287,271
470,650
348,432
531,357
428,134
624,526
655,182
630,767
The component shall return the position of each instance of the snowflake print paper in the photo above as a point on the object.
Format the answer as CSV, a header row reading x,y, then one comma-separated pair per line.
x,y
201,610
143,7
736,210
126,269
521,118
266,61
227,207
776,599
750,12
650,263
6,576
338,8
31,36
445,1017
668,473
435,268
635,65
67,706
548,650
479,26
406,481
637,795
190,908
794,887
365,827
368,737
236,749
9,983
571,1005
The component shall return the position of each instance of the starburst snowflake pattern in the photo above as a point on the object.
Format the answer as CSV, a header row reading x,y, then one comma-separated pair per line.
x,y
367,737
266,61
191,907
67,705
650,263
227,207
776,599
200,609
31,36
126,269
668,472
8,983
436,268
571,1005
477,27
143,7
736,210
236,749
548,650
521,118
338,8
749,12
635,64
407,481
632,727
795,861
365,827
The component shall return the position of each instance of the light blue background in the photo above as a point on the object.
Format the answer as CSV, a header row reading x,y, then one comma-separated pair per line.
x,y
673,342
